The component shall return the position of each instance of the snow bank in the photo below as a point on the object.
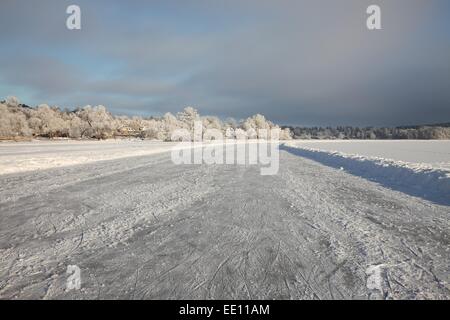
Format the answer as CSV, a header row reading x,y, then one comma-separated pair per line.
x,y
419,180
435,153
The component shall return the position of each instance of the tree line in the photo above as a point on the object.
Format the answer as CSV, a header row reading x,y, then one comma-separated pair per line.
x,y
19,120
426,132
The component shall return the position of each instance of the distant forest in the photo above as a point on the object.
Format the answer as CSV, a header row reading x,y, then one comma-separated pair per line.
x,y
426,132
19,121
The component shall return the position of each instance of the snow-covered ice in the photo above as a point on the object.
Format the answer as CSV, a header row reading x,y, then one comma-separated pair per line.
x,y
39,154
419,168
430,153
141,227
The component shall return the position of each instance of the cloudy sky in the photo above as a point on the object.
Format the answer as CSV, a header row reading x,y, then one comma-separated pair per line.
x,y
299,62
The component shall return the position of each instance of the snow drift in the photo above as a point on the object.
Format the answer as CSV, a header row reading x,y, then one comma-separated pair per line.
x,y
418,180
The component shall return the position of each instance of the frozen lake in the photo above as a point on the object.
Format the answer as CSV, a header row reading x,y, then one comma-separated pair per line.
x,y
435,153
143,227
38,155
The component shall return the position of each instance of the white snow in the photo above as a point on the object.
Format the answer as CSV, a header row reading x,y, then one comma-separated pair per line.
x,y
419,168
39,155
192,225
44,154
430,153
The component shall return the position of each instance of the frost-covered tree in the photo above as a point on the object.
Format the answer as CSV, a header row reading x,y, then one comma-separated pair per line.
x,y
187,117
170,124
210,122
76,127
51,124
257,122
230,133
12,102
100,123
285,134
240,134
12,123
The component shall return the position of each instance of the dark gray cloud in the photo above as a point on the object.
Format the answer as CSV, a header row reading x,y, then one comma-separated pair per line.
x,y
298,62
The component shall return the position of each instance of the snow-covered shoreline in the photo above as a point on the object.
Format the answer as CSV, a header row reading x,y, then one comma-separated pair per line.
x,y
40,155
417,179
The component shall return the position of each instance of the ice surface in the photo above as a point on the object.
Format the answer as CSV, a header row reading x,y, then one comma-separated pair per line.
x,y
38,155
144,228
429,180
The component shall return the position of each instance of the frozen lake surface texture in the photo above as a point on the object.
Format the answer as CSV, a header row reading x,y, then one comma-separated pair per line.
x,y
340,220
